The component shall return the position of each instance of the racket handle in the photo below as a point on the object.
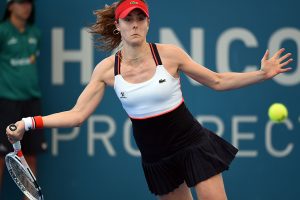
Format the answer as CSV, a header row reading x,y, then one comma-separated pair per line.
x,y
16,145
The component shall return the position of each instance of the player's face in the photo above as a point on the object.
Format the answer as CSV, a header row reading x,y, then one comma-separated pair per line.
x,y
22,10
134,27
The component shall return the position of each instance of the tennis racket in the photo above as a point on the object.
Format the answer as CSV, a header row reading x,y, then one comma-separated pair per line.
x,y
21,173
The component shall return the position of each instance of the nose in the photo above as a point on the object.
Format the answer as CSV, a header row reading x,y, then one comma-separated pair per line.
x,y
135,24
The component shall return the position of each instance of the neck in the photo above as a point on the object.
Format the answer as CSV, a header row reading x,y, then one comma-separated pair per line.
x,y
134,53
18,23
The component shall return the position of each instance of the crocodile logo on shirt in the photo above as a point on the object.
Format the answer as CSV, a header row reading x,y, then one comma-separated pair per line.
x,y
162,81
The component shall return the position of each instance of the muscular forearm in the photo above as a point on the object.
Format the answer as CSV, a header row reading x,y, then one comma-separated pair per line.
x,y
70,118
232,80
86,104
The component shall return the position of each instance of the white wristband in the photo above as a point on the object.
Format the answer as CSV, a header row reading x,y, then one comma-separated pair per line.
x,y
29,123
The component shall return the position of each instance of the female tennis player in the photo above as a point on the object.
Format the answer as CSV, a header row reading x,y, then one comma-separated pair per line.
x,y
177,152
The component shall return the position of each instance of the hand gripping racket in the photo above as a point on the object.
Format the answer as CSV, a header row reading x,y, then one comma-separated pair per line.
x,y
21,173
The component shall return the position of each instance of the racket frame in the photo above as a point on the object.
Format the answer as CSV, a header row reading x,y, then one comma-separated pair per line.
x,y
17,155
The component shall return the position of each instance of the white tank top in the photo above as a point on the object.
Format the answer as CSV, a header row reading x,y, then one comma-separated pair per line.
x,y
154,97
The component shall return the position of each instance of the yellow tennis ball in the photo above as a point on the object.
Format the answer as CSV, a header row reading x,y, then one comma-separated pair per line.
x,y
278,112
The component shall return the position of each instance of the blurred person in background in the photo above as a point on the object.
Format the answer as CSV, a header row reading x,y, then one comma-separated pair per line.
x,y
20,94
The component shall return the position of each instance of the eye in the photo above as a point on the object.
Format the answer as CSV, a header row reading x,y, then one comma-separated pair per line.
x,y
127,19
142,17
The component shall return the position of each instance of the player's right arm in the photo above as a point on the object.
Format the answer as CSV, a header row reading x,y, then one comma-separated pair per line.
x,y
84,107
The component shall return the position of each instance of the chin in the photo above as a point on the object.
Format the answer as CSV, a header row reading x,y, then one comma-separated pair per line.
x,y
136,42
138,39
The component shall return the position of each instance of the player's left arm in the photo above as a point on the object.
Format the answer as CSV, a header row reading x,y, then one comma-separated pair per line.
x,y
270,67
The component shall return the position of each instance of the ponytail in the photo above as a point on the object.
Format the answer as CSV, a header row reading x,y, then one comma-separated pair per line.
x,y
104,28
107,37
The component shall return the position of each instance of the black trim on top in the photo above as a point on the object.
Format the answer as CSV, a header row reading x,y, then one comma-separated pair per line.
x,y
156,53
117,63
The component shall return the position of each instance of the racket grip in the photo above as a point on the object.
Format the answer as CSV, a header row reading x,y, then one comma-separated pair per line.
x,y
17,146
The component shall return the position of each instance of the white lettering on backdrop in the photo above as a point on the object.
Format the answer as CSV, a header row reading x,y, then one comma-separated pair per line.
x,y
84,56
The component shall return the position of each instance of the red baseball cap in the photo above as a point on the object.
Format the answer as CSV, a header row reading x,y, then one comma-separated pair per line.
x,y
129,5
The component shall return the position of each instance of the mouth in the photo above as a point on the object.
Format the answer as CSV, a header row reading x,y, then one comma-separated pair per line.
x,y
135,36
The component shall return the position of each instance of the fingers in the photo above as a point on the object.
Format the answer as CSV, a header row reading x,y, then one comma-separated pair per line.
x,y
284,57
286,63
8,131
278,53
12,141
285,70
9,134
12,134
266,56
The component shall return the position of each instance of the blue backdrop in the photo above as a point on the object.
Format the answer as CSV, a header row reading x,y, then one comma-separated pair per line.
x,y
100,160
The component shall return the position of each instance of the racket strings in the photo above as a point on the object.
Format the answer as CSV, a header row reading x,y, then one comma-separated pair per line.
x,y
21,178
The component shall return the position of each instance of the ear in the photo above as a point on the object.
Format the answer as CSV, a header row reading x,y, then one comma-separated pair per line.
x,y
148,23
117,25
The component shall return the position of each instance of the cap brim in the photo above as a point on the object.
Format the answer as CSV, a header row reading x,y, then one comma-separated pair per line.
x,y
128,10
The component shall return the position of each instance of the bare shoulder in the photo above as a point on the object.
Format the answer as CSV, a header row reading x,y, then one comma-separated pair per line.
x,y
168,49
104,71
171,51
105,64
172,55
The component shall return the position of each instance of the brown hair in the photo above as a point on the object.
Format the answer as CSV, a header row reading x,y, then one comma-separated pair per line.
x,y
106,37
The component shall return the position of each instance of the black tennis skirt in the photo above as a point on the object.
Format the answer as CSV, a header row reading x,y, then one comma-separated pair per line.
x,y
175,148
